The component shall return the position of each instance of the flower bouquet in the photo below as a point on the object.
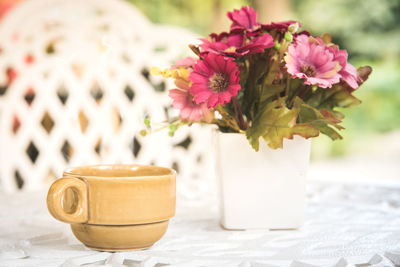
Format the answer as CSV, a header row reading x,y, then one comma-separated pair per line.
x,y
268,82
265,80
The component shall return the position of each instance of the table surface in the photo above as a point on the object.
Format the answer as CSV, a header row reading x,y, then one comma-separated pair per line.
x,y
346,225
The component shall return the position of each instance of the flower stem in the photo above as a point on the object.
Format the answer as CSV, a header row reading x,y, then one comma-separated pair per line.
x,y
229,121
287,87
239,115
304,91
290,100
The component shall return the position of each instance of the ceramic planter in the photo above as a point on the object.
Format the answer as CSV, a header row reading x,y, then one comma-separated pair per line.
x,y
264,189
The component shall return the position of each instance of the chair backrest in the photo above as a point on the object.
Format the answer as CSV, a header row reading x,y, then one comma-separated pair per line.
x,y
75,88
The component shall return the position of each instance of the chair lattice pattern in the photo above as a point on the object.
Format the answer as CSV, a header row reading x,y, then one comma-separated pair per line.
x,y
75,88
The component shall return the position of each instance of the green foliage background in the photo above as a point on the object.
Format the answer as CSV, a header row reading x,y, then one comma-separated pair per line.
x,y
369,30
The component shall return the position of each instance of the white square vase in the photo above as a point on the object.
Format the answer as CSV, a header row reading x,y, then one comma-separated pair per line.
x,y
264,189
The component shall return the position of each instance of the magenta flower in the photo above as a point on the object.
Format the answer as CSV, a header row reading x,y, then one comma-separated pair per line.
x,y
223,43
243,19
236,45
215,80
279,26
308,59
258,44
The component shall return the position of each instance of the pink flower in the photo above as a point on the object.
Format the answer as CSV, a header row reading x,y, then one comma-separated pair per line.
x,y
236,44
243,19
307,58
215,80
183,100
348,72
187,63
189,110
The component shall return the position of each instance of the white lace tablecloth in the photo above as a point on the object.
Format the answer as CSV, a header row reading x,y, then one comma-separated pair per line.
x,y
346,225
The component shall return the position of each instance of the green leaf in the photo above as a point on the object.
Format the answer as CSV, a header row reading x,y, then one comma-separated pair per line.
x,y
305,130
344,99
329,98
332,119
363,74
337,114
271,90
275,122
320,120
328,131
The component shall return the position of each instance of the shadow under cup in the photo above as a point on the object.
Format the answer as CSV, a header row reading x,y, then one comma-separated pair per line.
x,y
115,207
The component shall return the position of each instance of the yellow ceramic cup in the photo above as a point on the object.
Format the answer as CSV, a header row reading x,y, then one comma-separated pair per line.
x,y
115,207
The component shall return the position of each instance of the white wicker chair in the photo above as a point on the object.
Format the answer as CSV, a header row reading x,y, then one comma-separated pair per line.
x,y
82,90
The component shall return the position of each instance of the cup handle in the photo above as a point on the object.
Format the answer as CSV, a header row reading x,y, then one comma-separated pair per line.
x,y
77,212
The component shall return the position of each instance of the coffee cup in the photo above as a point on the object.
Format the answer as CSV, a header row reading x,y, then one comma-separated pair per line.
x,y
115,207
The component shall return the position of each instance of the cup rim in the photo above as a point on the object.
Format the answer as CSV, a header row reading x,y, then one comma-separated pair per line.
x,y
74,171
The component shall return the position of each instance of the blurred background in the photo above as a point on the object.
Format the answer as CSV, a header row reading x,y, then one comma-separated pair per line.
x,y
368,30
